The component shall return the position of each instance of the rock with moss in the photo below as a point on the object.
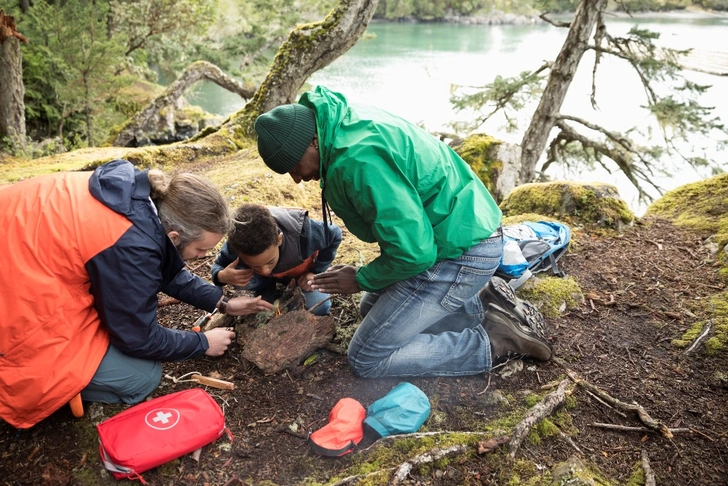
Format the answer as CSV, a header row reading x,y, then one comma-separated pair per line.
x,y
701,206
553,296
577,203
575,472
495,162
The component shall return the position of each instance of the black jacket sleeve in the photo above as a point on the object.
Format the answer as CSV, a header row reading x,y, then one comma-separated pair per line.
x,y
125,280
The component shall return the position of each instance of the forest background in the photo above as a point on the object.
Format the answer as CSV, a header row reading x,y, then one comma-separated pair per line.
x,y
84,60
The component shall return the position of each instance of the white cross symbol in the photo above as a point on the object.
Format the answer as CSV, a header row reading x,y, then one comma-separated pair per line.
x,y
162,417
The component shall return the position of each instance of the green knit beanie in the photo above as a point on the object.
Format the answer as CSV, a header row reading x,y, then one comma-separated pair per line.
x,y
284,134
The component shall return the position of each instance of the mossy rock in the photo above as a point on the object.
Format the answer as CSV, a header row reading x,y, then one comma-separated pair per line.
x,y
577,203
477,151
552,295
576,472
701,206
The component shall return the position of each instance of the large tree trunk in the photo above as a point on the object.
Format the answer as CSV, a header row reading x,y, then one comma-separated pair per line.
x,y
309,47
12,91
562,74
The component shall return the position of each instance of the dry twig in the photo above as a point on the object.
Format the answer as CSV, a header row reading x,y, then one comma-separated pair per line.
x,y
644,417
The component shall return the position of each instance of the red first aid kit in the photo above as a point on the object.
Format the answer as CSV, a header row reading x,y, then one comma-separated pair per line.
x,y
158,431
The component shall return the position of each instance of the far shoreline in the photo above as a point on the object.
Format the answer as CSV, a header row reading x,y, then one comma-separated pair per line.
x,y
503,18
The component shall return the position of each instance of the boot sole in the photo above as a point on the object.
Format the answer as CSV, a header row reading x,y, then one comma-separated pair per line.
x,y
500,293
543,350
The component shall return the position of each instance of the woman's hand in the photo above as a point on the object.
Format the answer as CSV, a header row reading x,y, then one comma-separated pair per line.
x,y
233,276
339,279
241,306
219,339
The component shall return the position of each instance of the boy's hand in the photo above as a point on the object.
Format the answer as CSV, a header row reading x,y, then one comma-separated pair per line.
x,y
233,276
241,306
303,281
339,279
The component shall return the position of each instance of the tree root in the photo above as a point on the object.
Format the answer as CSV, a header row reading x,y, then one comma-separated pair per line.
x,y
538,412
649,475
644,417
400,473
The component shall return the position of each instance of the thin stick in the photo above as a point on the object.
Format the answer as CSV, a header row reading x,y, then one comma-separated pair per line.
x,y
623,415
627,428
319,303
644,417
707,327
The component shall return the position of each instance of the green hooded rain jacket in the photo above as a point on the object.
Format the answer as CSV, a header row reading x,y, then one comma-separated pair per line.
x,y
393,183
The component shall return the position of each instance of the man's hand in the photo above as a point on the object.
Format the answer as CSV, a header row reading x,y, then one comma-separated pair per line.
x,y
339,279
219,339
233,276
241,306
303,281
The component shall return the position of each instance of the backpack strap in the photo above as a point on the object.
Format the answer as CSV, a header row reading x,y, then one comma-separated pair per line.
x,y
517,282
330,452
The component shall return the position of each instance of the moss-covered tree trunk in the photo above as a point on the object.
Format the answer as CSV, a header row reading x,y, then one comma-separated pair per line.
x,y
309,47
12,91
562,74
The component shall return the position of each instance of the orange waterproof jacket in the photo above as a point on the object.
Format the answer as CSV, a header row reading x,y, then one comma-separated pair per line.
x,y
81,261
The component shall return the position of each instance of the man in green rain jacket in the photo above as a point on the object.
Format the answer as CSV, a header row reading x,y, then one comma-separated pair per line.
x,y
438,231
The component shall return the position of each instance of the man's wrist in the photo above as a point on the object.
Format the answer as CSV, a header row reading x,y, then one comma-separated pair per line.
x,y
222,305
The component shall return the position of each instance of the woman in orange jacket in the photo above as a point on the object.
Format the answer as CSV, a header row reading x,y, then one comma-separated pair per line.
x,y
82,260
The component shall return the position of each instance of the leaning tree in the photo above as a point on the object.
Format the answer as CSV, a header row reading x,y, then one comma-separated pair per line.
x,y
557,137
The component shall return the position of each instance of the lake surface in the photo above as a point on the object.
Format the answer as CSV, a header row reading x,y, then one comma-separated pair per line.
x,y
412,70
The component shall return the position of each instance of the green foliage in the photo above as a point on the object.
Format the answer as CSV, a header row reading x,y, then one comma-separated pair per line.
x,y
70,66
504,95
146,24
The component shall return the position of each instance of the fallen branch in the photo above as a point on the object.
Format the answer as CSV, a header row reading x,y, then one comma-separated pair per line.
x,y
704,333
649,475
401,471
431,456
541,410
626,428
644,417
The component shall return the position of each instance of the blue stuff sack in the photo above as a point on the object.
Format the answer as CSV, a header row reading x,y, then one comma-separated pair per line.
x,y
401,411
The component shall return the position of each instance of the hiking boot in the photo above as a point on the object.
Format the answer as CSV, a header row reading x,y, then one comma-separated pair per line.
x,y
508,337
497,291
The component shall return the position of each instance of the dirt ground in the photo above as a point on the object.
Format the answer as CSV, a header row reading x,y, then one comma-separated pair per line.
x,y
644,289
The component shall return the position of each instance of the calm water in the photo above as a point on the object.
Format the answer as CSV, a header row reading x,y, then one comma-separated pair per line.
x,y
412,69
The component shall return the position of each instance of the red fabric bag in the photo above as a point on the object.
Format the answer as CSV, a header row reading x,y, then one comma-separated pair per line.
x,y
158,431
343,432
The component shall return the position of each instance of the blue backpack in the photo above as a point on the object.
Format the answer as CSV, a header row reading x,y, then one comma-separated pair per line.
x,y
530,248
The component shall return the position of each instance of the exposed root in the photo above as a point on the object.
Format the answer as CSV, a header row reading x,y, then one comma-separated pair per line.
x,y
649,475
541,410
644,417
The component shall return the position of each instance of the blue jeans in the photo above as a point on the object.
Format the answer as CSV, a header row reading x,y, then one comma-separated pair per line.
x,y
259,283
429,324
122,379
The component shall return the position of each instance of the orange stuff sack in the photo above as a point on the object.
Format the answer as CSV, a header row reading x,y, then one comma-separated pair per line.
x,y
343,432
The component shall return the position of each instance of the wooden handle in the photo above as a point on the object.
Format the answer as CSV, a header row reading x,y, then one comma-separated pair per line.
x,y
214,382
76,406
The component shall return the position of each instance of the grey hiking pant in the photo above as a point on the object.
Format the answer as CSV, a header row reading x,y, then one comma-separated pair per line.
x,y
122,379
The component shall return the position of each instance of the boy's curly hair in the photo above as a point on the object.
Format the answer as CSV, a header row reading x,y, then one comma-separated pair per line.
x,y
255,230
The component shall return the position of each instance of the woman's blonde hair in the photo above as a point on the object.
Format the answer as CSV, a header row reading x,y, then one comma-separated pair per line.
x,y
189,205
